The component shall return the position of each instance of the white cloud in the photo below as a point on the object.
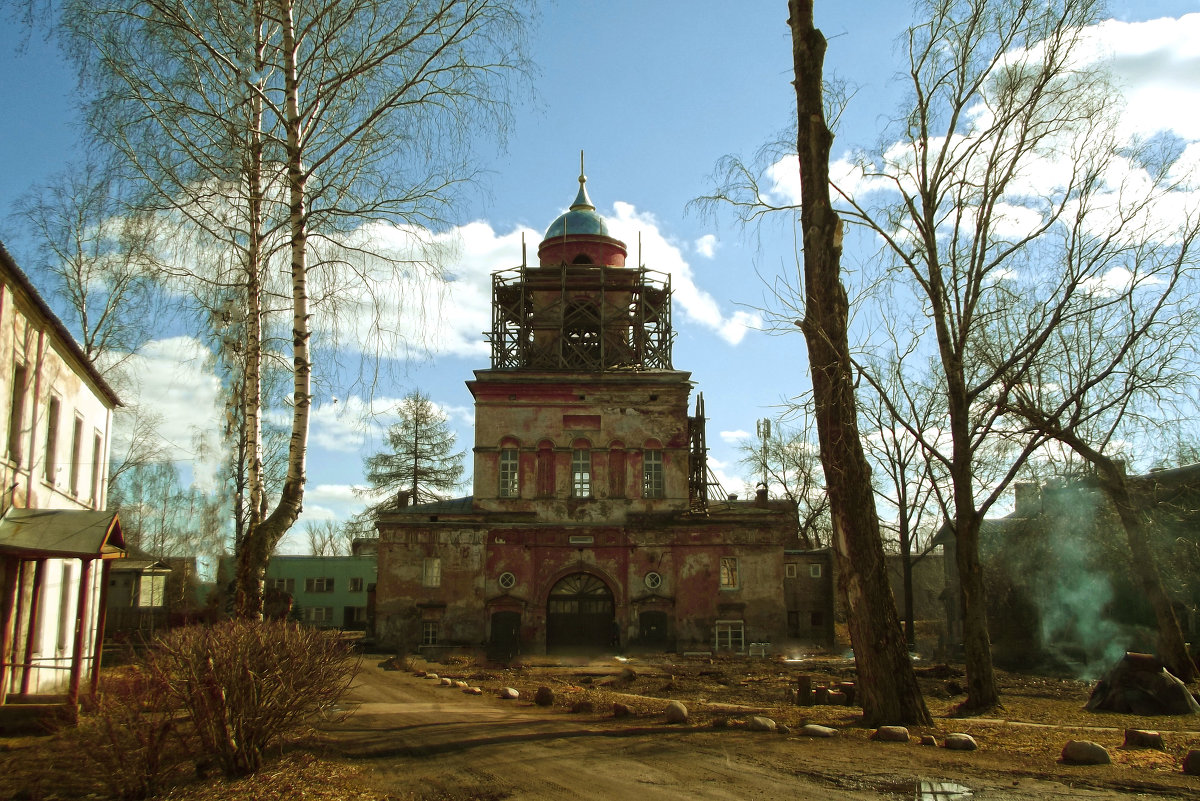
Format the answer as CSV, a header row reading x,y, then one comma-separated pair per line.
x,y
734,437
173,377
658,253
706,246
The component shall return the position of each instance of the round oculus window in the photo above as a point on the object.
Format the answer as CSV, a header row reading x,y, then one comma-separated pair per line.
x,y
653,581
507,581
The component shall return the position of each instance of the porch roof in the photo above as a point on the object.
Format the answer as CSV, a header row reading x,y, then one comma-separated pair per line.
x,y
61,533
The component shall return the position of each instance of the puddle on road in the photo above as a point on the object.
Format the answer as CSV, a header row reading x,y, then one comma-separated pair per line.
x,y
927,790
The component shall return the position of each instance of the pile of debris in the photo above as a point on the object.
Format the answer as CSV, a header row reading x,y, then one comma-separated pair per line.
x,y
1139,684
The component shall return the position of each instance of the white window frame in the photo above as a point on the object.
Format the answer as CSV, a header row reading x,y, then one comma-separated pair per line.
x,y
431,572
789,570
152,590
510,473
652,473
319,584
581,473
814,570
429,632
356,584
730,580
287,585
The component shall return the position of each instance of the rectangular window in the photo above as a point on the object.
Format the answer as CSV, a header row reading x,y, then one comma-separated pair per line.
x,y
509,472
97,468
431,574
151,590
789,570
429,632
356,584
318,585
52,411
729,573
16,414
76,454
356,614
652,474
318,615
814,571
730,635
581,473
287,585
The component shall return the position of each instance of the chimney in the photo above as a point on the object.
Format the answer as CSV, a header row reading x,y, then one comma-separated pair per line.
x,y
1028,499
760,496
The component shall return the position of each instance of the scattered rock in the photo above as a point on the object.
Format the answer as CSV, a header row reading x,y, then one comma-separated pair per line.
x,y
390,665
583,708
447,682
1141,738
462,685
816,730
928,739
473,690
1191,763
759,723
1085,752
544,697
961,742
432,676
620,710
509,694
890,734
676,712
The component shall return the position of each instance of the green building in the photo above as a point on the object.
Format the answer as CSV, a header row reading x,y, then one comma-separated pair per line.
x,y
326,591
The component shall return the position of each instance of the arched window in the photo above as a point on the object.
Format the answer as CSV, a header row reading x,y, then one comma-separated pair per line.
x,y
652,470
581,469
510,468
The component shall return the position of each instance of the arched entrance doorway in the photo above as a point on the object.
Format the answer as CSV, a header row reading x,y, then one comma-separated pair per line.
x,y
580,613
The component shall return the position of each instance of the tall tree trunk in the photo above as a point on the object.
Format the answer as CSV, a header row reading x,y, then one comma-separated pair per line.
x,y
887,685
261,540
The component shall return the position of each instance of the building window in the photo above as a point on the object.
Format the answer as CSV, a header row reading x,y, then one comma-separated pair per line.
x,y
652,474
356,614
789,570
581,473
431,573
16,415
814,571
653,580
730,635
729,573
507,581
287,585
318,585
356,584
318,615
76,454
509,473
151,590
52,412
429,632
97,468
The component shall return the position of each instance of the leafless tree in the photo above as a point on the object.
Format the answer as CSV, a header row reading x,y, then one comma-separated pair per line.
x,y
328,538
889,687
275,129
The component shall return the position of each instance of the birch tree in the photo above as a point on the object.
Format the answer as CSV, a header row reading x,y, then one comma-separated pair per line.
x,y
280,128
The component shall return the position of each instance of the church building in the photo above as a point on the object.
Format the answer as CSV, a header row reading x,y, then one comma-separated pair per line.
x,y
590,525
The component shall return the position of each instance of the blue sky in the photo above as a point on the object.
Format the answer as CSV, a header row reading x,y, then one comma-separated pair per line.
x,y
655,92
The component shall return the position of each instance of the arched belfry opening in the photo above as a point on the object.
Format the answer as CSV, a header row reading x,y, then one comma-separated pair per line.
x,y
580,613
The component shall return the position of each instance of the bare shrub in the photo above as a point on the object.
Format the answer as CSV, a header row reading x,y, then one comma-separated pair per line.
x,y
245,684
130,740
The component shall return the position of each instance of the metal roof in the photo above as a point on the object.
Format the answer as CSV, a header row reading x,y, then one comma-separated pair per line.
x,y
61,533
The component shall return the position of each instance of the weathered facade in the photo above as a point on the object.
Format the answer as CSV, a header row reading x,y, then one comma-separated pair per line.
x,y
590,524
55,543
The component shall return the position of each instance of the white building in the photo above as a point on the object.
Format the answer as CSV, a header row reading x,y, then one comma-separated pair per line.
x,y
55,540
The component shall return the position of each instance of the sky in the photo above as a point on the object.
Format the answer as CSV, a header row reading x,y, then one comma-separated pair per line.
x,y
655,92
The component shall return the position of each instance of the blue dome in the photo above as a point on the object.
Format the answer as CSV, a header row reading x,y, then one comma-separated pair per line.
x,y
581,220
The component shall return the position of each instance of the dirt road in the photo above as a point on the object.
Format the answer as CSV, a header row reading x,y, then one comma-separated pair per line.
x,y
435,742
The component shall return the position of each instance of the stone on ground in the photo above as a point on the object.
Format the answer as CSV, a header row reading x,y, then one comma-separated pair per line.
x,y
432,676
760,723
1141,738
890,734
544,697
961,742
928,739
676,713
816,730
509,694
1085,752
